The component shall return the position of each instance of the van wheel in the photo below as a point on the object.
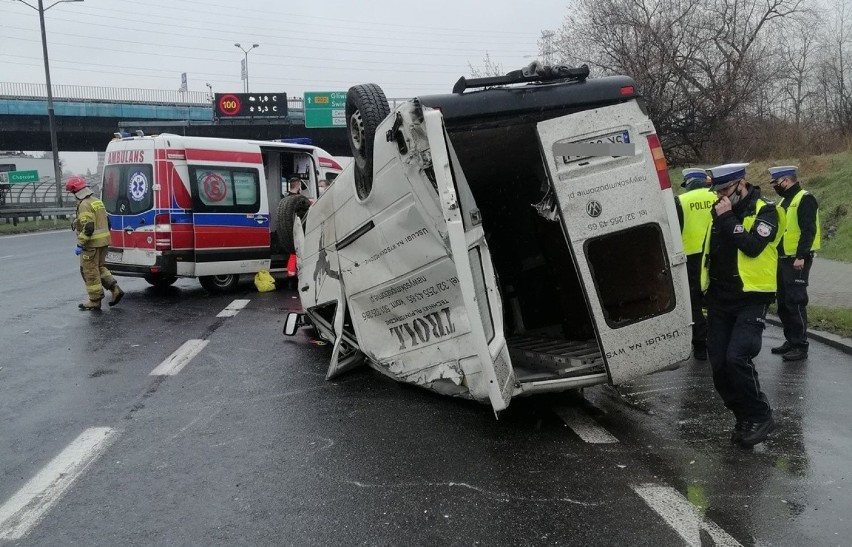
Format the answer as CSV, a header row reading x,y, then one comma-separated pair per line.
x,y
219,283
160,281
366,107
289,208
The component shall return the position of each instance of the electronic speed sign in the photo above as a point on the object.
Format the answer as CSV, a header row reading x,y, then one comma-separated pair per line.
x,y
250,105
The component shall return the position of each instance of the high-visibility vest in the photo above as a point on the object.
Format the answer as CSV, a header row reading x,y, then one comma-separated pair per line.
x,y
794,232
697,206
758,274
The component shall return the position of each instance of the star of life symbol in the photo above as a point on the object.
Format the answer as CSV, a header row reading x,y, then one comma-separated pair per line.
x,y
138,186
594,208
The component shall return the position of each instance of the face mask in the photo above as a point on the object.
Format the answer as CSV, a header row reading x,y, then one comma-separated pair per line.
x,y
735,197
778,189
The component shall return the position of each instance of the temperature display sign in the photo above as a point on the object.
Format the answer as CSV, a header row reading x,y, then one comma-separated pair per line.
x,y
250,105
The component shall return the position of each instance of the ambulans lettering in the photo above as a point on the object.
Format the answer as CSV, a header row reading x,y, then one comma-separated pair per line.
x,y
418,331
126,156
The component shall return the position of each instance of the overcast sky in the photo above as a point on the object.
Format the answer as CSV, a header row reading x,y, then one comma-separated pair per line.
x,y
408,48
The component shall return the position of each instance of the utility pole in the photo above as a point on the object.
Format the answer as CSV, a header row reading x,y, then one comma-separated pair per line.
x,y
57,171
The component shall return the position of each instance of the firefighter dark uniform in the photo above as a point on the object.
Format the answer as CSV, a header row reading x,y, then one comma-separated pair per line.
x,y
795,256
693,212
92,228
738,273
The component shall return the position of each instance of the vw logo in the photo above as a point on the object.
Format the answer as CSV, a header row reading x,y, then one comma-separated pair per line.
x,y
594,208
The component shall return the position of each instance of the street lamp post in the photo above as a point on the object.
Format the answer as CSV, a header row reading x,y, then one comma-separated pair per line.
x,y
246,52
57,172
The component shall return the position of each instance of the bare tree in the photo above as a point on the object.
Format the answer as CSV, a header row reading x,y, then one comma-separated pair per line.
x,y
489,68
697,62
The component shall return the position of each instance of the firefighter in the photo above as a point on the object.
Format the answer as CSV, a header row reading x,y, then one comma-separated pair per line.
x,y
738,275
795,256
693,212
92,229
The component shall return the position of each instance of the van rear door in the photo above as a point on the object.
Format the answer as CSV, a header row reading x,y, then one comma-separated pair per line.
x,y
128,193
230,210
617,211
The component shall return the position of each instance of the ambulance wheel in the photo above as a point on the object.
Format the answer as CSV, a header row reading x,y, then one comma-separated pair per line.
x,y
219,283
366,107
160,281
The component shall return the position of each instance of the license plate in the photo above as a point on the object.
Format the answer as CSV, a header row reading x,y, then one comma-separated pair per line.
x,y
113,256
604,145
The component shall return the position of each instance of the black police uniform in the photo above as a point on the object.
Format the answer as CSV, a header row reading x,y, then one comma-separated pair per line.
x,y
736,318
792,284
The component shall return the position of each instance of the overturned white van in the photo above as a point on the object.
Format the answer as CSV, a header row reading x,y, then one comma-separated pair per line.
x,y
501,242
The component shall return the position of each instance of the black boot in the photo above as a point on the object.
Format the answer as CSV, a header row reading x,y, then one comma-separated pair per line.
x,y
756,432
737,432
783,348
796,354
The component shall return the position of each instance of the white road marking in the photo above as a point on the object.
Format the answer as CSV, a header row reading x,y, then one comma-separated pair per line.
x,y
584,426
29,504
233,308
682,516
7,256
177,360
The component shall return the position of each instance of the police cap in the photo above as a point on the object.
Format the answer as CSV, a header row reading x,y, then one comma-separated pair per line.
x,y
723,175
776,173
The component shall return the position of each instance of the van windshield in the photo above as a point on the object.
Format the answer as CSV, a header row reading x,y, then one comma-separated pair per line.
x,y
128,189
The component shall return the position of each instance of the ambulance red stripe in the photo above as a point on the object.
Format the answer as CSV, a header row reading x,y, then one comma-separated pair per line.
x,y
198,154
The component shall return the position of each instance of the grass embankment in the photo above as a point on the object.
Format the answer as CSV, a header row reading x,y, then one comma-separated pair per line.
x,y
38,225
829,178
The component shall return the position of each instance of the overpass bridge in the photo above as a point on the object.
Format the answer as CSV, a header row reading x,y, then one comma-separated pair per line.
x,y
87,116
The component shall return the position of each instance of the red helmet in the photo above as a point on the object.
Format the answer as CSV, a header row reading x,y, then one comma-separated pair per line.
x,y
75,184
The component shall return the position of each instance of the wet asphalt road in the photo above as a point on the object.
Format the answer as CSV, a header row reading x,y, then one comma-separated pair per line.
x,y
248,444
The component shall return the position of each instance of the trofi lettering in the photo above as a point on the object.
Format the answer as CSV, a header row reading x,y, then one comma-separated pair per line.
x,y
422,329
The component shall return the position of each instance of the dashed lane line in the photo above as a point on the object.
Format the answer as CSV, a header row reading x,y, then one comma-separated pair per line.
x,y
29,504
584,426
683,516
233,308
177,360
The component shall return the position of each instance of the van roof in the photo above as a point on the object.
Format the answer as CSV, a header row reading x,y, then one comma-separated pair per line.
x,y
532,99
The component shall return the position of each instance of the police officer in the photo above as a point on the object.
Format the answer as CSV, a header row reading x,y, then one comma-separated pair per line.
x,y
693,212
796,251
739,276
93,239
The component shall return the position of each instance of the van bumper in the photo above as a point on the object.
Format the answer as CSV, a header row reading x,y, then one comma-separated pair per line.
x,y
165,264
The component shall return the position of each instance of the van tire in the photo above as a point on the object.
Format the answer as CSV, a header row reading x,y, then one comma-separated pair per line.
x,y
219,283
289,208
366,107
160,281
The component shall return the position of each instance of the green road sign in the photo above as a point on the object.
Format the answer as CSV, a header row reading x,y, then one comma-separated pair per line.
x,y
325,109
19,177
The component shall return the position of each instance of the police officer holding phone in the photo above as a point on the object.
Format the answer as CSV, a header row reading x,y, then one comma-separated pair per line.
x,y
693,211
738,275
796,254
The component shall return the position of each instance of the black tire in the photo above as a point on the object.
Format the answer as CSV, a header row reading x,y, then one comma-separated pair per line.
x,y
289,208
366,107
160,281
219,283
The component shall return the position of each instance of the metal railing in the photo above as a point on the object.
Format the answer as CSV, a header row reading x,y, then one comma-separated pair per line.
x,y
37,195
16,90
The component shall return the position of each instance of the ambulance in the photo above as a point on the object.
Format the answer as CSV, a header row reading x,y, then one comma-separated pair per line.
x,y
516,236
199,207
